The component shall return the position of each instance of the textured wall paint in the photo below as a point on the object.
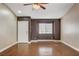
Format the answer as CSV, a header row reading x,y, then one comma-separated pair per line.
x,y
7,27
70,27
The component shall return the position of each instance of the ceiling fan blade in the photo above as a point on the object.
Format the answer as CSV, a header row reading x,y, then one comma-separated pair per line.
x,y
27,4
42,6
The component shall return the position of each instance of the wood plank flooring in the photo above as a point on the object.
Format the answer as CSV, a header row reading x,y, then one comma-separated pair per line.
x,y
40,49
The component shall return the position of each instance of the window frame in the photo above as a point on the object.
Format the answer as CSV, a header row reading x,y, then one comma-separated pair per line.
x,y
52,29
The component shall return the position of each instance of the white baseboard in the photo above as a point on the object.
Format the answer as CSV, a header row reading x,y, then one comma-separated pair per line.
x,y
8,47
70,46
44,40
25,42
40,41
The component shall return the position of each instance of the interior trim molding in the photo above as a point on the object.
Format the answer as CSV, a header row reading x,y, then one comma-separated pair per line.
x,y
44,40
25,42
70,46
5,48
40,41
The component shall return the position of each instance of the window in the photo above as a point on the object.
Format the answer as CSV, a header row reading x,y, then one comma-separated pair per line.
x,y
45,28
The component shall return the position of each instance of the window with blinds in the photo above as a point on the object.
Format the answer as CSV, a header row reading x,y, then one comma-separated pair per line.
x,y
45,28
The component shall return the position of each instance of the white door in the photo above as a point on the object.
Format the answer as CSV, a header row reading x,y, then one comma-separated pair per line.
x,y
23,31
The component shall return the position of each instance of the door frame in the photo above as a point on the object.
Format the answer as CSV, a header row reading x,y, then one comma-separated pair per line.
x,y
23,18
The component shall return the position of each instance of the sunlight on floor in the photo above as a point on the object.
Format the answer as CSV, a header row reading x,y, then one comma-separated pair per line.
x,y
45,51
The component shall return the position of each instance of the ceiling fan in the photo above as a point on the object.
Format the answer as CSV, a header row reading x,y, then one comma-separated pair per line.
x,y
37,5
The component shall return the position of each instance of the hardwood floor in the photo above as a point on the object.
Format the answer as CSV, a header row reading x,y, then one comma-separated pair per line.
x,y
40,49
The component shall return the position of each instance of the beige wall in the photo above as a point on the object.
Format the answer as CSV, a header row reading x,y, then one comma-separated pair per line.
x,y
70,27
7,27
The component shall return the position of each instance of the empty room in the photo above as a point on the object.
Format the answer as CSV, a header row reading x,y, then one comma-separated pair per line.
x,y
39,29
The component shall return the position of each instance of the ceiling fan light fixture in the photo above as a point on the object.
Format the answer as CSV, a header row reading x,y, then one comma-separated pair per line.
x,y
36,6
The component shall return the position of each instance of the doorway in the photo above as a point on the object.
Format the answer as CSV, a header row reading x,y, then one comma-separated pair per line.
x,y
23,29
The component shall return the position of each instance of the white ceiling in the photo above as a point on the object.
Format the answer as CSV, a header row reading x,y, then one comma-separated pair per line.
x,y
53,10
